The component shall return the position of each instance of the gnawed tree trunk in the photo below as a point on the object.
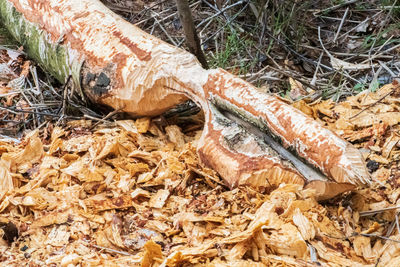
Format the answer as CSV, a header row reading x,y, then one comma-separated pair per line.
x,y
116,64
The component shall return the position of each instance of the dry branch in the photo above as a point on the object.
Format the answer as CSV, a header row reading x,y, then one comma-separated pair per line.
x,y
192,39
116,64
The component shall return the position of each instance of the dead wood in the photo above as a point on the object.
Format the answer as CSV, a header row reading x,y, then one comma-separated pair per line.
x,y
116,64
192,39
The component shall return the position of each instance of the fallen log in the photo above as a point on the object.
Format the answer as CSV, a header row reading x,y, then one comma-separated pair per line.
x,y
114,63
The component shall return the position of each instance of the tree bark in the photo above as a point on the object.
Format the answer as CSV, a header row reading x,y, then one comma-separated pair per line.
x,y
116,64
192,39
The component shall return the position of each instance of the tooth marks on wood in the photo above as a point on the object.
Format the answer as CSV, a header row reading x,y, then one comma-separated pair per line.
x,y
125,77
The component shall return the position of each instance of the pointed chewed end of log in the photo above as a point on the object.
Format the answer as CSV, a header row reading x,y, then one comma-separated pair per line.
x,y
318,146
243,157
351,169
263,173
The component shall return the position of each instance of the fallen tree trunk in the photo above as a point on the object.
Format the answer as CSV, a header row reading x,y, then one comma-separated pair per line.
x,y
116,64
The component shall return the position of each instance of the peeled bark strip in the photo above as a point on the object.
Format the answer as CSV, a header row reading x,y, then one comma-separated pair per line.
x,y
116,64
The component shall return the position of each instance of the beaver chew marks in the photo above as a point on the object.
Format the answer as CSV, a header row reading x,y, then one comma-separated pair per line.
x,y
116,64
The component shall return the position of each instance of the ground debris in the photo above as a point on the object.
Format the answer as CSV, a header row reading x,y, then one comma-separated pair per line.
x,y
135,194
119,195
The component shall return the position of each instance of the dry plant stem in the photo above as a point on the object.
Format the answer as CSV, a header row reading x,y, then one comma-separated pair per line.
x,y
387,69
219,12
341,24
364,21
108,116
192,40
65,96
112,250
378,55
371,105
332,8
118,65
18,111
164,18
381,237
373,212
345,54
165,31
289,49
314,79
226,24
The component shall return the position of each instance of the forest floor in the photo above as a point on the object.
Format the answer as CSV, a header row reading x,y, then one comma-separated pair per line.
x,y
80,187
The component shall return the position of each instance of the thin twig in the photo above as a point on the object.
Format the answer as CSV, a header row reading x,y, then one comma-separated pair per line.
x,y
36,81
387,69
18,111
94,118
341,25
64,96
390,229
227,23
385,51
354,28
381,237
112,250
383,45
219,12
109,115
164,30
345,54
162,19
373,212
144,10
314,79
331,57
296,77
332,8
371,105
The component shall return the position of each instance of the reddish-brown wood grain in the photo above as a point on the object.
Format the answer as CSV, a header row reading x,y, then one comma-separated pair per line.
x,y
125,68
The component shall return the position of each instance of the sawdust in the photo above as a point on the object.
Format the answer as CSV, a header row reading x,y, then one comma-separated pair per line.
x,y
134,193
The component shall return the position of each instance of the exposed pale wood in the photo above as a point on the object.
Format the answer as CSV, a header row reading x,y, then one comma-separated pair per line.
x,y
116,64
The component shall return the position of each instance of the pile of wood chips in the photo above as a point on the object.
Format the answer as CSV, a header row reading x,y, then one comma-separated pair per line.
x,y
134,193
